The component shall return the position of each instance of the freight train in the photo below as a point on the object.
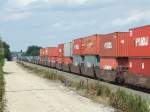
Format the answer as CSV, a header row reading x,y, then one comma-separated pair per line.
x,y
122,57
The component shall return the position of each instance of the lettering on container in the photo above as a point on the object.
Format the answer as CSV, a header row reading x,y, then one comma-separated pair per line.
x,y
76,47
142,65
108,45
107,67
122,41
131,33
60,50
142,41
88,44
130,64
89,64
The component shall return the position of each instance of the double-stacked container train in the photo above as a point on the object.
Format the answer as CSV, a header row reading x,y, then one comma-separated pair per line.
x,y
122,57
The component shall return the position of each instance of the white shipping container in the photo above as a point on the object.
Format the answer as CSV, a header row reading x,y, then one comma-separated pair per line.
x,y
68,49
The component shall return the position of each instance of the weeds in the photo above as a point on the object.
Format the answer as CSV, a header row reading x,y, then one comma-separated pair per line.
x,y
1,88
128,103
119,99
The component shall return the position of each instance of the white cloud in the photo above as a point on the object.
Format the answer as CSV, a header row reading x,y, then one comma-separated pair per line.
x,y
66,26
25,4
134,16
15,16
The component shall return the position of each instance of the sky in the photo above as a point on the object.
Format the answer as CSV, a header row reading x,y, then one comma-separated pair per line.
x,y
51,22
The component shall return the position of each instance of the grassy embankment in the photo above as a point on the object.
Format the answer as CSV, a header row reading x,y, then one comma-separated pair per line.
x,y
1,87
97,92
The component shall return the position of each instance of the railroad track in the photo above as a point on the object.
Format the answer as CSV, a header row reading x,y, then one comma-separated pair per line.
x,y
144,93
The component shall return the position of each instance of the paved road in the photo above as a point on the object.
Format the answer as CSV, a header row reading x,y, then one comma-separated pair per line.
x,y
26,92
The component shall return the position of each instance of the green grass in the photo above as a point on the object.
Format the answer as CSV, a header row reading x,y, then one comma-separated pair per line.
x,y
119,99
1,87
128,102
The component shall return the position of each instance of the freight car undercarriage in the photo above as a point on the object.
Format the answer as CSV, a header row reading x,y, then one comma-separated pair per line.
x,y
119,76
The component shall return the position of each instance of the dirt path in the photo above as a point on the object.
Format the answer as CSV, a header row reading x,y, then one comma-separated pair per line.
x,y
26,92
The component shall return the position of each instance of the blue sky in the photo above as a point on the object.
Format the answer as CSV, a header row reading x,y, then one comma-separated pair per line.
x,y
50,22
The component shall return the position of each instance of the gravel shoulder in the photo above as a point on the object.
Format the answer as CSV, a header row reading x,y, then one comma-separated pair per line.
x,y
26,92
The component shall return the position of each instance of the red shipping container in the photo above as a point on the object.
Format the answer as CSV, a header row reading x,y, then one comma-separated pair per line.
x,y
113,63
114,45
67,60
42,52
52,51
108,63
91,45
61,50
139,66
139,45
77,46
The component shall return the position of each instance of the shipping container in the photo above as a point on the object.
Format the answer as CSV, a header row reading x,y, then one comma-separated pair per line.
x,y
67,60
42,52
88,67
139,42
77,46
114,45
113,63
52,51
139,73
91,60
68,49
139,66
112,69
77,60
91,45
61,50
108,64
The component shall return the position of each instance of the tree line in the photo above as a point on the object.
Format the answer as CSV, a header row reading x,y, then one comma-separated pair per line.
x,y
32,50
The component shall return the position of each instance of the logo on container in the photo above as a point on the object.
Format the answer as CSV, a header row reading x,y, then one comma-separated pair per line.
x,y
46,51
90,45
60,50
142,41
107,67
122,41
130,64
131,33
76,47
108,45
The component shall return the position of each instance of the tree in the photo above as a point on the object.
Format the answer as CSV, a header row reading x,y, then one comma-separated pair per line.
x,y
1,52
7,53
33,51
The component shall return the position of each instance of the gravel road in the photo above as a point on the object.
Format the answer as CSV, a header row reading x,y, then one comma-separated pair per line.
x,y
26,92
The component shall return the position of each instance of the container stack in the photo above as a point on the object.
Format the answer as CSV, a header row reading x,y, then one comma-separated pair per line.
x,y
77,56
113,53
42,56
67,59
139,56
60,58
52,56
90,54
